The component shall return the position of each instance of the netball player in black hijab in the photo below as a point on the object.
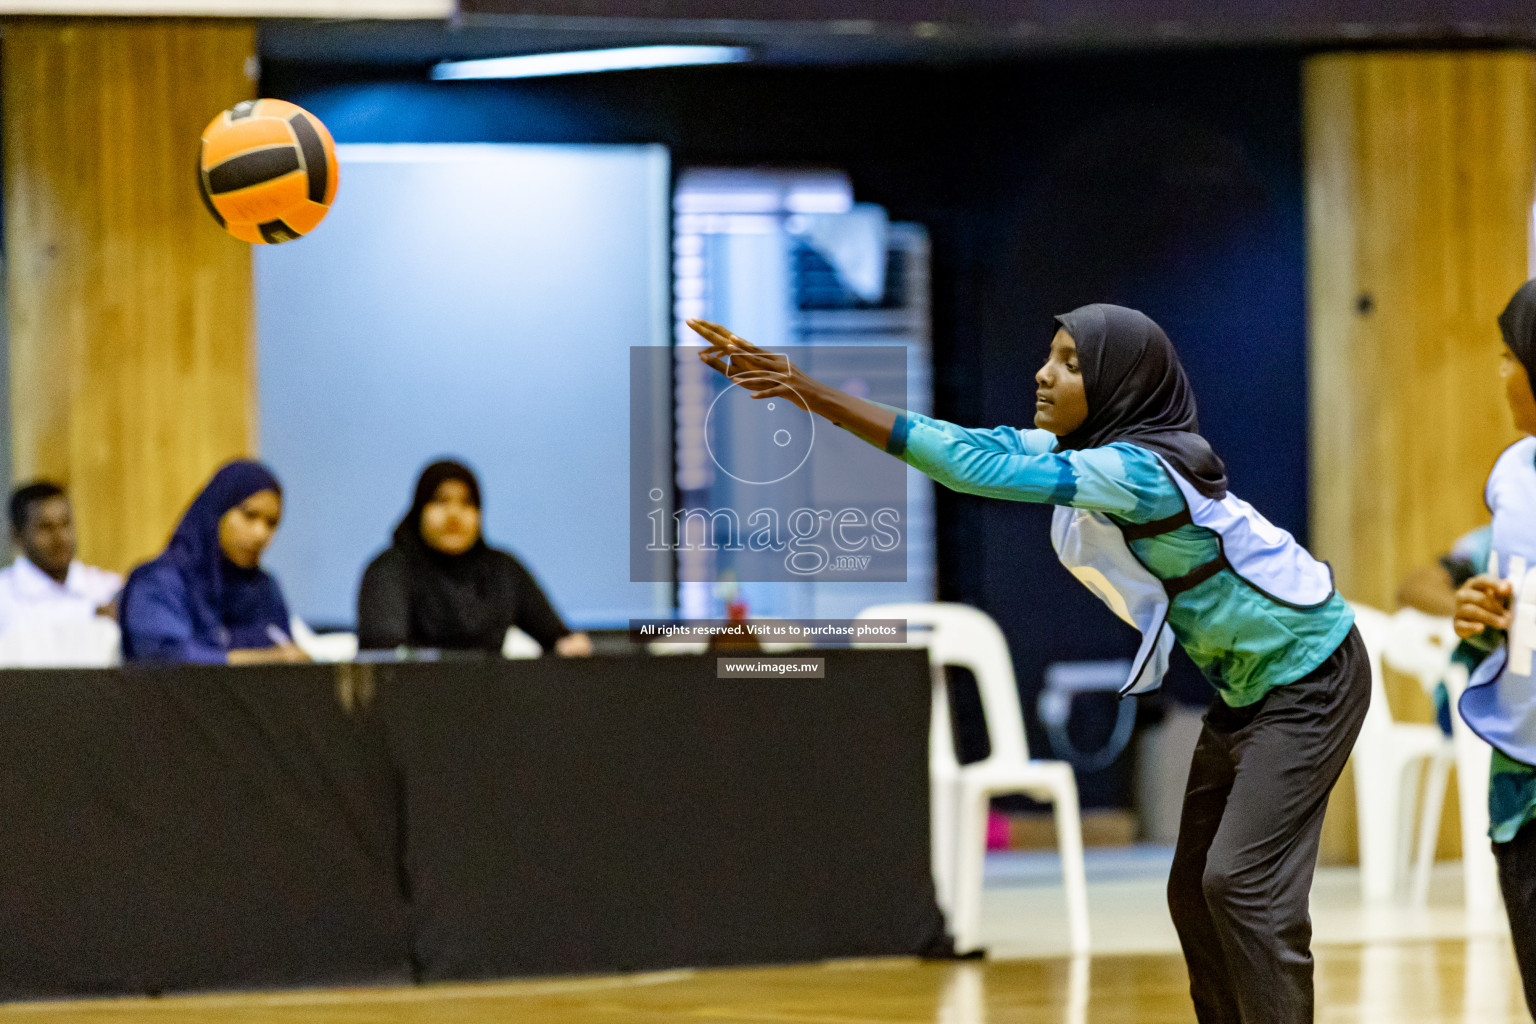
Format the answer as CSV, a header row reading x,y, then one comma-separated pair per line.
x,y
1145,518
1136,391
440,586
1498,698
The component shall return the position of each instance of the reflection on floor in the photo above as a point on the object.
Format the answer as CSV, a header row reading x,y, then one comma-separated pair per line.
x,y
1375,965
1450,982
1024,914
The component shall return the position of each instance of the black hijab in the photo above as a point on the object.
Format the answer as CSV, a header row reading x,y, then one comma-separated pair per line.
x,y
456,600
1518,322
1137,392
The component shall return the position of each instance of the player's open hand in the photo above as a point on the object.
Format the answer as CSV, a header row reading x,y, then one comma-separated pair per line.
x,y
1483,602
765,374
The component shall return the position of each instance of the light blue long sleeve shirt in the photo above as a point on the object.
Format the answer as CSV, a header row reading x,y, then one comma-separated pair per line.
x,y
1245,642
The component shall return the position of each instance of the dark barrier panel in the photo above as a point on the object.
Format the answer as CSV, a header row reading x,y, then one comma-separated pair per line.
x,y
634,814
1036,22
261,827
192,829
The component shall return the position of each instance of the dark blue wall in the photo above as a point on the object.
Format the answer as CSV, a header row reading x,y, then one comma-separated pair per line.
x,y
1171,183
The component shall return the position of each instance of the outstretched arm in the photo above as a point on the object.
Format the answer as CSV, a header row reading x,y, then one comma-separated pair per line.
x,y
768,375
1002,463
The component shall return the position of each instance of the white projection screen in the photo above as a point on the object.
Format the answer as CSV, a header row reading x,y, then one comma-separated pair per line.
x,y
476,301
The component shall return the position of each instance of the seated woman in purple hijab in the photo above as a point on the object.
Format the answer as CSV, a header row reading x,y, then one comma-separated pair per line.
x,y
206,600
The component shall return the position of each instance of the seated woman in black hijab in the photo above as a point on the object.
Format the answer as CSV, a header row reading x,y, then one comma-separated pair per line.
x,y
441,586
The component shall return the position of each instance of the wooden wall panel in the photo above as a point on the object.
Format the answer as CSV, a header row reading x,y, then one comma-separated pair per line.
x,y
1421,172
131,323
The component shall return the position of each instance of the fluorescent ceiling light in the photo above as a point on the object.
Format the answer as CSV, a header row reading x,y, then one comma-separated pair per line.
x,y
579,62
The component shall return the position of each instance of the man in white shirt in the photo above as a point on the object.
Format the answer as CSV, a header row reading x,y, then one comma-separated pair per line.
x,y
46,584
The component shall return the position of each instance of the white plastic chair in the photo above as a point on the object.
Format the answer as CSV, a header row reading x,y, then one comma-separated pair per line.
x,y
322,647
1388,757
1420,645
961,636
1479,871
94,642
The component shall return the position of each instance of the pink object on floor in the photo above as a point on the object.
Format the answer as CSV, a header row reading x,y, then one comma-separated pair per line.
x,y
997,831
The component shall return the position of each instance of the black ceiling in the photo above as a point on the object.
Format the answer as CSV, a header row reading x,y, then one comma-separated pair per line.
x,y
864,31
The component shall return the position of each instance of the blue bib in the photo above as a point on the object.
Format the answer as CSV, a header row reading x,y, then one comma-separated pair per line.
x,y
1500,700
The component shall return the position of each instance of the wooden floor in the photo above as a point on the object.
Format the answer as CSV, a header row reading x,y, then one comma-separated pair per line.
x,y
1467,981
